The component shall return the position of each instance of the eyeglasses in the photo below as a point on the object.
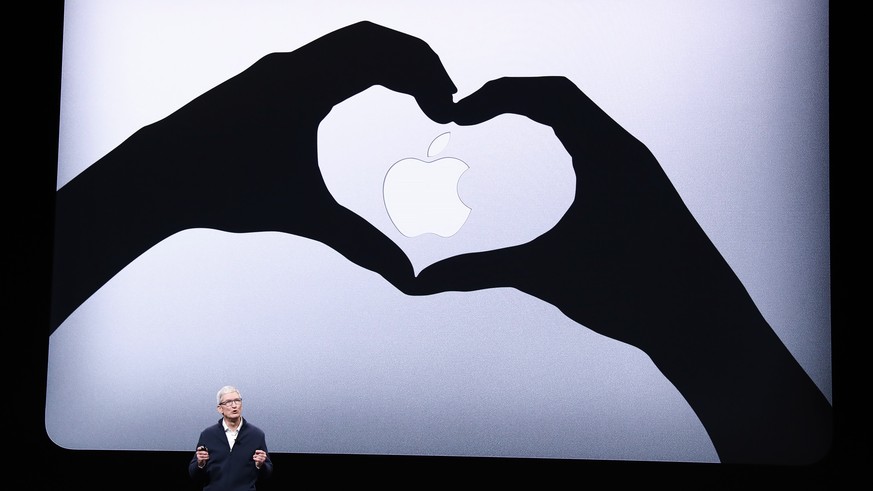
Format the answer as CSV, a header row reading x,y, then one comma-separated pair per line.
x,y
231,402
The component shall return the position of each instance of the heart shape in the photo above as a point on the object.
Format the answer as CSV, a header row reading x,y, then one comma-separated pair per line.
x,y
518,181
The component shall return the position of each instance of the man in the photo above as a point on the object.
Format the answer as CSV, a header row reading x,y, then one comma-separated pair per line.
x,y
231,454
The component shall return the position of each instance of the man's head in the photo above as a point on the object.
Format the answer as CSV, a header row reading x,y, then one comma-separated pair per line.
x,y
229,402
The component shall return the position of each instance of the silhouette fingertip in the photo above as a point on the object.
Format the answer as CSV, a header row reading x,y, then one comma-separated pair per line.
x,y
439,109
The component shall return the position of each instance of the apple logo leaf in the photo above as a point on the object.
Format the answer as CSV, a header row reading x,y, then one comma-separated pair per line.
x,y
438,144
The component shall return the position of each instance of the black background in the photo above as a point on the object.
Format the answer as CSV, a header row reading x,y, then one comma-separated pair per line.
x,y
34,462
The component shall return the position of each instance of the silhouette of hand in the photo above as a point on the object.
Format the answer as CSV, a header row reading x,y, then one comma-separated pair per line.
x,y
629,261
242,157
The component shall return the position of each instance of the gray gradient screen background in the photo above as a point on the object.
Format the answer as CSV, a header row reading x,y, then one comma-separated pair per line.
x,y
730,96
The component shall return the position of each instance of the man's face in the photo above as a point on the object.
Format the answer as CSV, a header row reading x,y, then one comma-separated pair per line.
x,y
230,405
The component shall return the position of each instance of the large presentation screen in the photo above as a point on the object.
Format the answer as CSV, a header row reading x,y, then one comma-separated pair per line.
x,y
574,230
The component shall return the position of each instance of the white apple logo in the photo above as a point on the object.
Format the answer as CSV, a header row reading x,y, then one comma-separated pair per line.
x,y
422,196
